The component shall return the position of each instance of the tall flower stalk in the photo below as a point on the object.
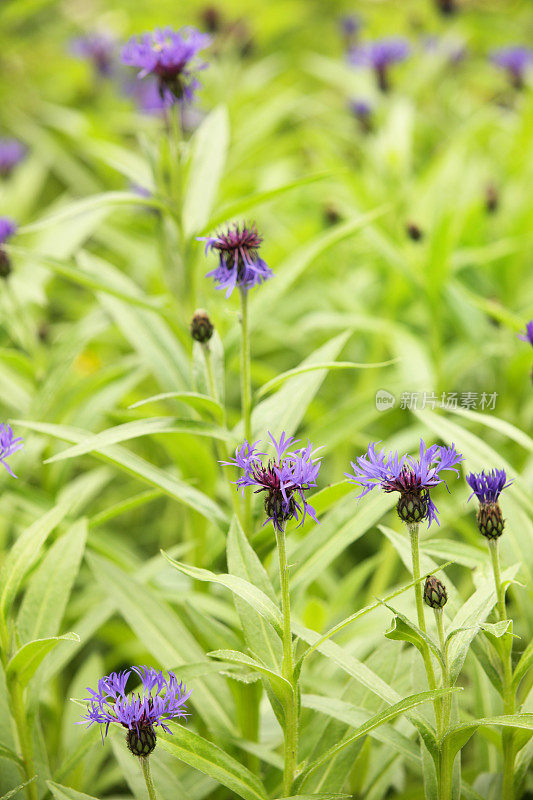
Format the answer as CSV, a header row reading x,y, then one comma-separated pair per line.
x,y
487,487
284,480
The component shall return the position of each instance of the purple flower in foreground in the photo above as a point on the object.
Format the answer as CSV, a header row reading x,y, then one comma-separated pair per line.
x,y
527,336
379,55
487,487
515,60
285,478
11,153
411,477
8,446
239,262
98,48
157,702
171,56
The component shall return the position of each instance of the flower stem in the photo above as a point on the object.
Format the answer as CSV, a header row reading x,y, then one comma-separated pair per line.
x,y
287,669
145,765
445,767
24,736
246,396
415,555
509,700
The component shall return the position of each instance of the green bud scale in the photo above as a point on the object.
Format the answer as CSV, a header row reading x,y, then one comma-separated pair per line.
x,y
412,506
141,742
435,594
490,520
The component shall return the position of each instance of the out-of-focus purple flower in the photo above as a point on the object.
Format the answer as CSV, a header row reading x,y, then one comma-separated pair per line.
x,y
349,26
170,56
411,477
8,446
239,262
527,336
99,49
11,153
285,478
7,229
515,60
157,702
363,113
487,487
380,55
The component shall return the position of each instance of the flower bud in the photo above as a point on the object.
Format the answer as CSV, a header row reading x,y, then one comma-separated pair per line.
x,y
412,506
490,520
435,594
201,326
141,742
414,232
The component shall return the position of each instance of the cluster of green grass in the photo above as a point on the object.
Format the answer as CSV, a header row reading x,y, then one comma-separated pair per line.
x,y
95,319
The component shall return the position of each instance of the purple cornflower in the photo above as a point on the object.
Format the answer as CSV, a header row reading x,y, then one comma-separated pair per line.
x,y
350,25
362,111
11,153
411,477
239,262
515,60
379,55
156,703
98,48
8,446
7,229
171,56
487,487
285,478
527,336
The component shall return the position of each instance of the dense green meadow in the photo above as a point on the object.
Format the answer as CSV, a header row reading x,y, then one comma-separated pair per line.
x,y
398,226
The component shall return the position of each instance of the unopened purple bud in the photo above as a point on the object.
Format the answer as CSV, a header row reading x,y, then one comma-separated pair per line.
x,y
201,326
435,594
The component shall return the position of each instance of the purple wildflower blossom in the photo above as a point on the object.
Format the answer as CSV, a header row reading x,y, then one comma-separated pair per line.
x,y
239,262
171,56
11,153
98,48
515,60
379,55
7,229
487,486
285,478
527,336
411,477
8,446
157,702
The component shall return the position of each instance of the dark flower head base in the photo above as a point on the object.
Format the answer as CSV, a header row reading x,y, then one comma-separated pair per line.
x,y
411,478
202,328
435,595
7,230
157,702
239,261
380,55
284,479
170,56
487,487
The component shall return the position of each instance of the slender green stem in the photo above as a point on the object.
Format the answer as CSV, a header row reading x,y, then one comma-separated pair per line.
x,y
24,737
246,396
509,698
287,669
445,777
415,555
145,765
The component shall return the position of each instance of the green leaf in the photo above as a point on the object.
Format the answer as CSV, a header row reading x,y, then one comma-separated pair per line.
x,y
374,722
200,402
49,589
6,752
458,735
208,156
17,789
135,465
66,793
243,562
404,630
242,588
195,751
328,365
525,663
25,552
23,665
280,685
